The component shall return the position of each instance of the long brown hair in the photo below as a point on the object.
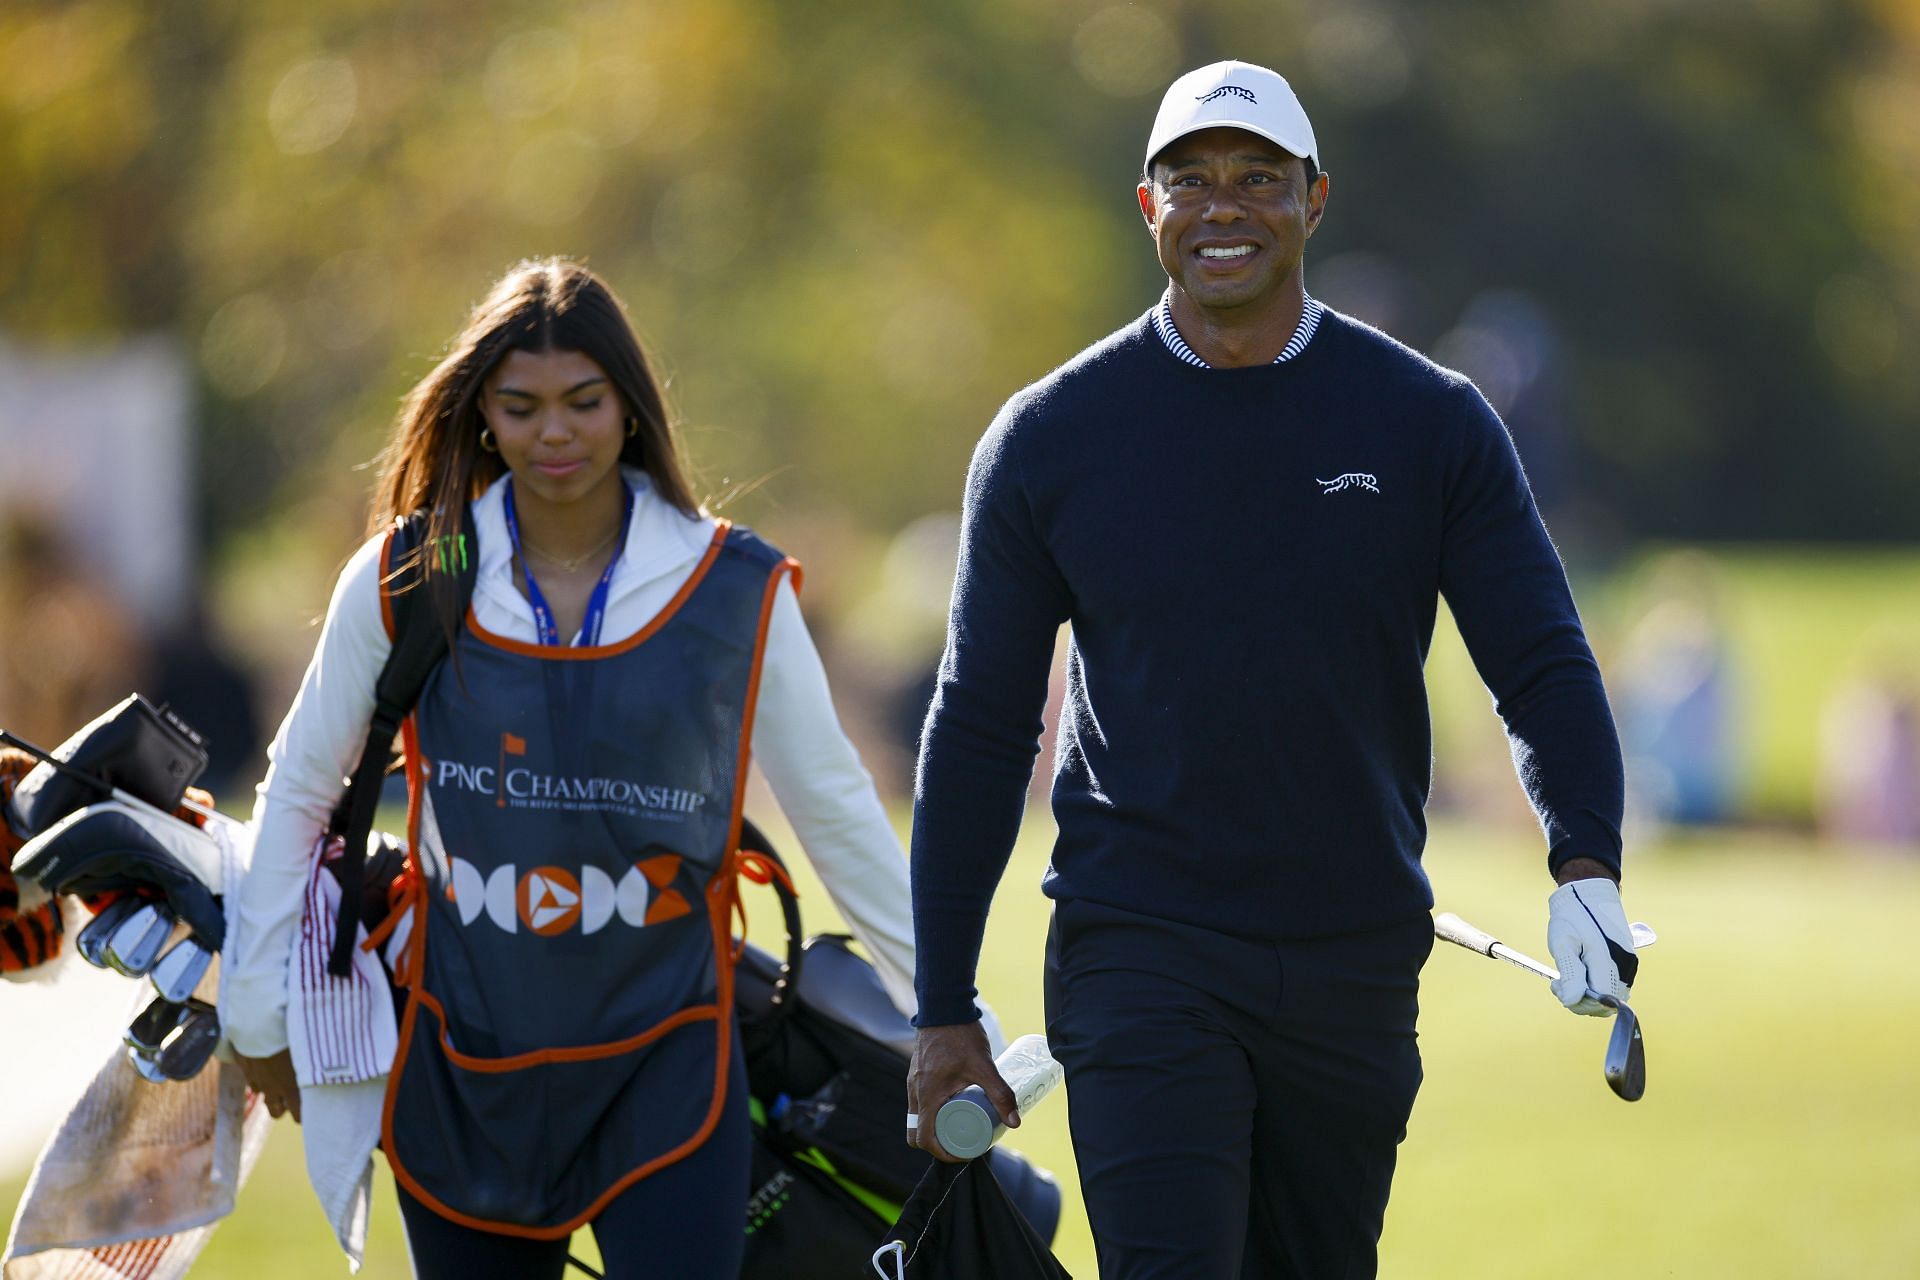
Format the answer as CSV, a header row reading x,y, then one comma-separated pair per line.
x,y
434,463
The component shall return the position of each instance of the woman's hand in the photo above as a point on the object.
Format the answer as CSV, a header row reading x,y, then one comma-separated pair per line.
x,y
273,1079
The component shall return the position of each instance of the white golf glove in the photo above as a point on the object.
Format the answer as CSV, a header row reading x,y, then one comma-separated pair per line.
x,y
1591,943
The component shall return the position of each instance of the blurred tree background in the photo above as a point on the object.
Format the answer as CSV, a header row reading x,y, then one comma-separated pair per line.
x,y
1677,244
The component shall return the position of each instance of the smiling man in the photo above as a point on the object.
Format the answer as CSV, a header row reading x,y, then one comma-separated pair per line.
x,y
1247,506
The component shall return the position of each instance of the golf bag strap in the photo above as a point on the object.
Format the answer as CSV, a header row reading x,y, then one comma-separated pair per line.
x,y
418,645
760,863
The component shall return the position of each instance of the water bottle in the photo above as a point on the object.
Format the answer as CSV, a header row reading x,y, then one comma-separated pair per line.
x,y
967,1125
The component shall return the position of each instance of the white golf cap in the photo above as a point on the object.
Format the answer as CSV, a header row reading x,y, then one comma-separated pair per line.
x,y
1233,95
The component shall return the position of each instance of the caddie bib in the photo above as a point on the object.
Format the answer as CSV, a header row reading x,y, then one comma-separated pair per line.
x,y
575,816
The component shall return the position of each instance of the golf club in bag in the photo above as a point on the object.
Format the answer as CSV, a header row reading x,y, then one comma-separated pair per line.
x,y
1625,1066
100,822
827,1056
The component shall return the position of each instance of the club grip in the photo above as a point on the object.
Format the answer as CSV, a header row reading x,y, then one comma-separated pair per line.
x,y
1452,928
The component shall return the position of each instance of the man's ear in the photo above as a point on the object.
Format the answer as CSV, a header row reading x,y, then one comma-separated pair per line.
x,y
1148,208
1317,200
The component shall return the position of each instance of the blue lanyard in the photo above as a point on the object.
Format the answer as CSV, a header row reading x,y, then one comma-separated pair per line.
x,y
543,621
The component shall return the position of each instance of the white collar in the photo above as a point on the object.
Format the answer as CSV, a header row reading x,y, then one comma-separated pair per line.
x,y
661,540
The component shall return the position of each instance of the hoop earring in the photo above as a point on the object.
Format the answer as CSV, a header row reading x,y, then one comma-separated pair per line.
x,y
487,441
633,427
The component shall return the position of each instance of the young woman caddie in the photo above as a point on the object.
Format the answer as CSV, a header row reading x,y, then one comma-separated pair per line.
x,y
567,1053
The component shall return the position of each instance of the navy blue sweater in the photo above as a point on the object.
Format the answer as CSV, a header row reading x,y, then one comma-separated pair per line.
x,y
1250,560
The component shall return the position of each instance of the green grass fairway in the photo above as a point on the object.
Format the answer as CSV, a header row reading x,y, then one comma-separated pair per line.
x,y
1779,1136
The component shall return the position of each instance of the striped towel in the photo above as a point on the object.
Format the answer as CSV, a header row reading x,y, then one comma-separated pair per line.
x,y
342,1035
341,1030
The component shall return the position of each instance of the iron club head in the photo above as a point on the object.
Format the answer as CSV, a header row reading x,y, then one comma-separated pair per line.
x,y
189,1046
136,944
99,931
148,1068
171,1040
179,971
153,1024
1626,1063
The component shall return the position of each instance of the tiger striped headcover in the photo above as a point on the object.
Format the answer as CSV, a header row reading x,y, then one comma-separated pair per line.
x,y
31,937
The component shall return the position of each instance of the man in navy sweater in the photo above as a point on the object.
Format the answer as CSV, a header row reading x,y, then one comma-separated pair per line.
x,y
1247,507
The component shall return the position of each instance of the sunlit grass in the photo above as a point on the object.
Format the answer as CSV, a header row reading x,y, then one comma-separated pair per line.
x,y
1778,1137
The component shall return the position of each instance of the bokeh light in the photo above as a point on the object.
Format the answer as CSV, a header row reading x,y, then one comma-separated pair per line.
x,y
312,105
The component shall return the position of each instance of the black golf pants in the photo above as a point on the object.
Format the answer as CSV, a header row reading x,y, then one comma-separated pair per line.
x,y
1236,1104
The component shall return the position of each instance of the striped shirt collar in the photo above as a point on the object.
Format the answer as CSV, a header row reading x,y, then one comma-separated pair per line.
x,y
1302,333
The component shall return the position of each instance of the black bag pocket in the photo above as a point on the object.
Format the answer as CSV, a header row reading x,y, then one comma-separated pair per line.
x,y
857,1120
801,1224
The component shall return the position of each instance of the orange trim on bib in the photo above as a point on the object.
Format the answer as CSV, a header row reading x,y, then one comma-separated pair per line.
x,y
578,653
730,868
413,959
577,1053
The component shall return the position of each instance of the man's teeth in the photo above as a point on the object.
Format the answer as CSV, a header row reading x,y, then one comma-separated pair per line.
x,y
1238,251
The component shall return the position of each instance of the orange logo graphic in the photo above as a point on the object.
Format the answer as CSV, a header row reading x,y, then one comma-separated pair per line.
x,y
668,904
510,745
548,900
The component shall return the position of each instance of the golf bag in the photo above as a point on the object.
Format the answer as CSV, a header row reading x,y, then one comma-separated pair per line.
x,y
136,1175
827,1058
99,822
152,755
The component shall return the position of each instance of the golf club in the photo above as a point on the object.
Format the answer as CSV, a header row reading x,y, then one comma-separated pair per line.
x,y
189,1045
171,1040
99,931
136,944
149,1069
153,1024
177,973
1625,1066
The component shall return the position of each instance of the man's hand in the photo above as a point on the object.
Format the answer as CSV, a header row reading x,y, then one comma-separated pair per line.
x,y
1591,944
945,1061
273,1079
